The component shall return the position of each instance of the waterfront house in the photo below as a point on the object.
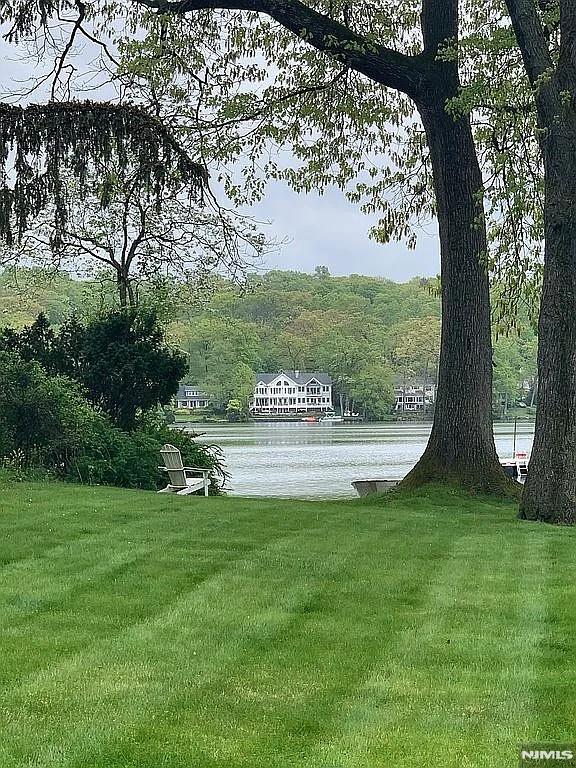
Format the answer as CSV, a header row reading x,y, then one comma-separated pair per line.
x,y
190,396
292,392
411,398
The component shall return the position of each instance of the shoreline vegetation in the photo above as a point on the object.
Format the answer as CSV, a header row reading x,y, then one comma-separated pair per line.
x,y
524,416
425,629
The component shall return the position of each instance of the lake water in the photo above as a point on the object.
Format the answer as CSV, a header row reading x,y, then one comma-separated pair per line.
x,y
302,460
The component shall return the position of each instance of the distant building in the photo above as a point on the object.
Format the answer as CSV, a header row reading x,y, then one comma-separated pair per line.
x,y
412,398
292,392
192,397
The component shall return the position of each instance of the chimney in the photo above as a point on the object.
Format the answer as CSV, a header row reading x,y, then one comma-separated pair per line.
x,y
296,373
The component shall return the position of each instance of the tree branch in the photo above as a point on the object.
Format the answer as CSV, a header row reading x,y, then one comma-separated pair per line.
x,y
439,21
381,64
531,38
567,58
69,45
295,94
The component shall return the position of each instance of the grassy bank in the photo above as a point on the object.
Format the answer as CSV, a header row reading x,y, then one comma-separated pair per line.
x,y
140,631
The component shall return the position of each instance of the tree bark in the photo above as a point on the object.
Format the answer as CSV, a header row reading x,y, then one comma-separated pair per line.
x,y
424,384
550,490
132,300
122,291
534,392
126,294
461,446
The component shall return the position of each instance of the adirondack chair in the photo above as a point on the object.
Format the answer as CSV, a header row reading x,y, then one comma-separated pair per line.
x,y
183,480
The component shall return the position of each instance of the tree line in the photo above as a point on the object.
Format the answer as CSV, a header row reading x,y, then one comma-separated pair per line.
x,y
370,334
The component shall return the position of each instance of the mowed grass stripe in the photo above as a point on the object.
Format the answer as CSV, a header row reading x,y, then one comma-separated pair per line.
x,y
53,605
140,673
35,519
554,689
285,552
425,631
284,700
456,689
30,523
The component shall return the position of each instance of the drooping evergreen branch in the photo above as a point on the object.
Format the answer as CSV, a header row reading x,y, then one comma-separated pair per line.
x,y
25,17
38,142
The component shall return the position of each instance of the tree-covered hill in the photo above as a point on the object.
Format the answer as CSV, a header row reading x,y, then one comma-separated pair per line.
x,y
366,332
369,333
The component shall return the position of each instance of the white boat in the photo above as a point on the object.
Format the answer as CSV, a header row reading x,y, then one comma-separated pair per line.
x,y
369,487
332,419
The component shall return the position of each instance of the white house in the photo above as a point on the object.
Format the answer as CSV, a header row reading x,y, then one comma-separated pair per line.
x,y
414,398
189,396
292,392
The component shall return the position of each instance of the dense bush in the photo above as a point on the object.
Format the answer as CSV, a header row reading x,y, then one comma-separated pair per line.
x,y
127,366
46,424
120,359
131,459
44,421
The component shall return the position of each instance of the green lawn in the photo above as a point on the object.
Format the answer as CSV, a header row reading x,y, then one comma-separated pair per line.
x,y
150,632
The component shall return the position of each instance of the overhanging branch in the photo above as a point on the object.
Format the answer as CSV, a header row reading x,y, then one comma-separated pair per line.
x,y
381,64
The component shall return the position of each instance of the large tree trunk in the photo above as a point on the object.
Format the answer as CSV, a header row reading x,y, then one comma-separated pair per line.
x,y
550,490
461,447
132,300
126,293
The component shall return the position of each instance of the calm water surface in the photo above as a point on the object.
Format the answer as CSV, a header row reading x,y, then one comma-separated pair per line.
x,y
321,460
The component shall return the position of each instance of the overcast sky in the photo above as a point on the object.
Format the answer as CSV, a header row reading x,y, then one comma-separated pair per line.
x,y
314,230
329,230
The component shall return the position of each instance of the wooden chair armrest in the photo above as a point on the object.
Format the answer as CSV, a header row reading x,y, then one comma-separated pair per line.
x,y
197,469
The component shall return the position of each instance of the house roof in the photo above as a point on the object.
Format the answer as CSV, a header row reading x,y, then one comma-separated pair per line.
x,y
181,394
413,390
298,377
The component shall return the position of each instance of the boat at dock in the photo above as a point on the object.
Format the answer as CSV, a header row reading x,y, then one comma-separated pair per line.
x,y
517,466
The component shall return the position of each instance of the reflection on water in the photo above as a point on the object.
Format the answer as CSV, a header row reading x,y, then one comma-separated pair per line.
x,y
321,460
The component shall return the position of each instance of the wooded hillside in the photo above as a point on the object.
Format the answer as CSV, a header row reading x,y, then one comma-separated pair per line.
x,y
368,333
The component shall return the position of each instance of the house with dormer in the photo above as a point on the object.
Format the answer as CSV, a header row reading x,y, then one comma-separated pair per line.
x,y
192,397
292,392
